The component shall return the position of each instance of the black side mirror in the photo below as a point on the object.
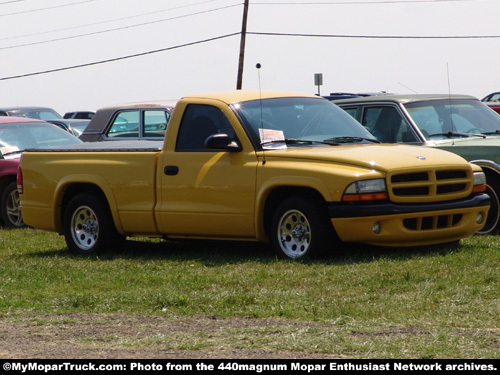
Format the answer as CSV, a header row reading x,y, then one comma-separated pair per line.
x,y
222,142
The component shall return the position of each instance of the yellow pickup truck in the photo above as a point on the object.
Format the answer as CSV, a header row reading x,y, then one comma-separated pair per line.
x,y
292,170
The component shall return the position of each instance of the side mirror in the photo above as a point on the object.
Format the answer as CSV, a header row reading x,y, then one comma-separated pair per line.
x,y
222,142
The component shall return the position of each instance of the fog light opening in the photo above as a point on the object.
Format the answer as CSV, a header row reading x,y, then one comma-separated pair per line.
x,y
479,218
376,228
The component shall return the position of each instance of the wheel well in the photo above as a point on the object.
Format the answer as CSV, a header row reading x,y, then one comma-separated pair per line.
x,y
5,180
75,189
491,174
278,195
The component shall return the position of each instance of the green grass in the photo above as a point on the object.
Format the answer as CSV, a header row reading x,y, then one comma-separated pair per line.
x,y
365,302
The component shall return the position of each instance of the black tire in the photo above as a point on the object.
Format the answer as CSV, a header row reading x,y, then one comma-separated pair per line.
x,y
492,225
11,208
300,229
88,225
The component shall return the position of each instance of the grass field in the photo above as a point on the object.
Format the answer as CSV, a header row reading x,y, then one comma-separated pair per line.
x,y
363,302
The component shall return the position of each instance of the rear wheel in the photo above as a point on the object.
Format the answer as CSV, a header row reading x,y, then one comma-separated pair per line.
x,y
88,226
300,229
11,208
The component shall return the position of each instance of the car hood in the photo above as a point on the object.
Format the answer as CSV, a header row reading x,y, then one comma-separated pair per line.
x,y
376,157
472,148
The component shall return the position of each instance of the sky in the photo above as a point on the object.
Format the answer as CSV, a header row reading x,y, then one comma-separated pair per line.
x,y
75,55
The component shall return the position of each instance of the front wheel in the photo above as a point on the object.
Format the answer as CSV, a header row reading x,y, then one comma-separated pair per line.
x,y
300,229
11,207
88,227
493,218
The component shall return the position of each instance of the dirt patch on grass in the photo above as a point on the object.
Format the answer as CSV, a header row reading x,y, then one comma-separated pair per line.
x,y
81,336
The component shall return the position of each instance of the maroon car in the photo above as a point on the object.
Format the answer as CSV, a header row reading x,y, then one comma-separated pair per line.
x,y
17,135
493,101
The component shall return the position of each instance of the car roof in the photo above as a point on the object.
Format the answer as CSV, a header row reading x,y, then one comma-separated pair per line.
x,y
147,104
236,96
24,108
12,119
403,98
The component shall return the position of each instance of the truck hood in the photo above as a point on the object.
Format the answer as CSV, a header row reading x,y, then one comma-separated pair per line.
x,y
378,157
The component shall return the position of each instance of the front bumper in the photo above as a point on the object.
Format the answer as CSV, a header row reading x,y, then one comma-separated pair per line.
x,y
409,224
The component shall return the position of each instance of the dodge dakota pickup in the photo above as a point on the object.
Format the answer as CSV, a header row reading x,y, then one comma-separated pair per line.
x,y
291,170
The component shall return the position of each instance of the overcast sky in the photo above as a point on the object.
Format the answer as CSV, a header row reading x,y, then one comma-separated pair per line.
x,y
104,52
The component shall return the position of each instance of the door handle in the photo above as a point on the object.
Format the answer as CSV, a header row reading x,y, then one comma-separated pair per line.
x,y
171,170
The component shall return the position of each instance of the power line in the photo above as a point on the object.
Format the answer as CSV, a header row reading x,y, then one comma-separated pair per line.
x,y
40,9
358,2
118,28
118,58
106,21
378,36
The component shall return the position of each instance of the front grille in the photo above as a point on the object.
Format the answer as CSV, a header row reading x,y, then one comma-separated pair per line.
x,y
432,222
430,185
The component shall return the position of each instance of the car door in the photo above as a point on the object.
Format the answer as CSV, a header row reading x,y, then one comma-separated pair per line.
x,y
207,193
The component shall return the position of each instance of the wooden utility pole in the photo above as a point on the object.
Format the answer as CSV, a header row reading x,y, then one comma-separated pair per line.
x,y
242,45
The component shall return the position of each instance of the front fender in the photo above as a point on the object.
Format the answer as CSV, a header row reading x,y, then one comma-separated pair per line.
x,y
487,164
283,182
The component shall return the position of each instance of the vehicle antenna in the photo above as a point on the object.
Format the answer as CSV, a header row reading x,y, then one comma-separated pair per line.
x,y
449,99
258,66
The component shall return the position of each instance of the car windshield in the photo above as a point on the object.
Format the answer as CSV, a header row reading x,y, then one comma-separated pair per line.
x,y
297,121
17,137
44,114
439,119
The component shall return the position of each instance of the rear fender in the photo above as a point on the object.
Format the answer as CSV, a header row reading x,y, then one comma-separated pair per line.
x,y
68,183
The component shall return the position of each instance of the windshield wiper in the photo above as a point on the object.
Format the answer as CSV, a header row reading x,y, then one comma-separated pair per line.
x,y
492,133
293,141
349,139
457,134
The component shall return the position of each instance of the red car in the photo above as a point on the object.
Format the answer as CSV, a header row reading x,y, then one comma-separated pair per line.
x,y
493,101
17,135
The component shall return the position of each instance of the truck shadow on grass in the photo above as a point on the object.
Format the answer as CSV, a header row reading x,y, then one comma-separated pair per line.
x,y
224,252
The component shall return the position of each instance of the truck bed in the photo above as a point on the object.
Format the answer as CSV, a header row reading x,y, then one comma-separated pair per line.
x,y
111,146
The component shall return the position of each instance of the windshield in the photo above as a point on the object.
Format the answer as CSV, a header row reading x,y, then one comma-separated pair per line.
x,y
439,119
299,121
17,137
43,114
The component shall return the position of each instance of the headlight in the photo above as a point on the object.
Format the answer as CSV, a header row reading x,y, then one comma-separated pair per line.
x,y
479,182
366,190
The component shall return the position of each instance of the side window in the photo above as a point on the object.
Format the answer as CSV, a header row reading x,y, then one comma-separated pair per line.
x,y
352,111
198,123
155,123
387,125
125,124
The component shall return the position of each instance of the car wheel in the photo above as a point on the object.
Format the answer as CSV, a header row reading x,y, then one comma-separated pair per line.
x,y
300,229
88,226
493,218
11,208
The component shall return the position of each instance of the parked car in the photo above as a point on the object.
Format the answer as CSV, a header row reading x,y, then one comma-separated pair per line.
x,y
41,113
146,120
457,123
17,135
493,97
493,101
81,115
73,126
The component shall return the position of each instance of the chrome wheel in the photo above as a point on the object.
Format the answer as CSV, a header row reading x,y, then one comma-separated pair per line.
x,y
13,209
294,234
84,228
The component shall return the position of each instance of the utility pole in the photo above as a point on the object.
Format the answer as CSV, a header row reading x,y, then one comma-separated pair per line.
x,y
242,45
